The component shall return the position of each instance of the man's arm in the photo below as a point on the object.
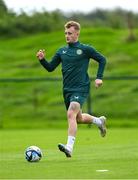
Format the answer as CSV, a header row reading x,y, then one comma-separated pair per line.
x,y
102,62
49,66
94,54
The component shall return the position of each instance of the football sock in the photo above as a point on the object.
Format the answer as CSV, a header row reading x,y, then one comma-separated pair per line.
x,y
96,121
70,143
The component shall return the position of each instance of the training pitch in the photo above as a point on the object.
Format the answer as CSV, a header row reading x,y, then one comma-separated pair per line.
x,y
94,157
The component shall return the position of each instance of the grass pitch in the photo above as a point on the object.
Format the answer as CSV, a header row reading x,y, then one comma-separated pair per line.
x,y
116,153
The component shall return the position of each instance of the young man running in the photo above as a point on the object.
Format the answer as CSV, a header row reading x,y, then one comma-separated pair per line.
x,y
76,83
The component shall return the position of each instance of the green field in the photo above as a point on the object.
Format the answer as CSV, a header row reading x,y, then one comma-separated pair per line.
x,y
116,153
33,113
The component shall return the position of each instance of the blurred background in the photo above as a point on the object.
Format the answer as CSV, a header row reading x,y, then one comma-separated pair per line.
x,y
30,97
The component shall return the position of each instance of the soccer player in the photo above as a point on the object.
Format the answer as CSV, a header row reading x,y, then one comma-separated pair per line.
x,y
75,58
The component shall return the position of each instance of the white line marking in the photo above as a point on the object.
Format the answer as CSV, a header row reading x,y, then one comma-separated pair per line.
x,y
102,170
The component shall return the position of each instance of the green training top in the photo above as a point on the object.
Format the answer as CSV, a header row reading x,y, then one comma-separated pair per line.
x,y
75,60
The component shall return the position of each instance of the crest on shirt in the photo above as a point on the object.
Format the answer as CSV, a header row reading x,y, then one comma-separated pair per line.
x,y
79,51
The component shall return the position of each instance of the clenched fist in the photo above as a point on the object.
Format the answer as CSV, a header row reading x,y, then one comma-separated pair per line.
x,y
98,83
40,54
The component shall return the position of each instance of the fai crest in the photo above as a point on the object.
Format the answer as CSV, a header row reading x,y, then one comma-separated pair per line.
x,y
79,51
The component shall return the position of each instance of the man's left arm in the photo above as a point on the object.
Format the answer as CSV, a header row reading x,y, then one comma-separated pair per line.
x,y
94,54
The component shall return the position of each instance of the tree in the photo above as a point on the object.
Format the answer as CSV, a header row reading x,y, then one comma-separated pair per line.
x,y
3,8
131,37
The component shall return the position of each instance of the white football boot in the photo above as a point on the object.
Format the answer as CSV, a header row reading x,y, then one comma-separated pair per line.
x,y
102,127
64,149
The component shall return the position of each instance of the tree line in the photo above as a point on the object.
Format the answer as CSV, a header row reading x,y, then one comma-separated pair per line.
x,y
14,25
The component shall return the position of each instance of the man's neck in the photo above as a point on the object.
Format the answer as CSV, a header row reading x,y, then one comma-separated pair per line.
x,y
73,43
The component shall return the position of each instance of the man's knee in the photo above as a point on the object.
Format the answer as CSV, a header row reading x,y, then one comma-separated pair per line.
x,y
73,109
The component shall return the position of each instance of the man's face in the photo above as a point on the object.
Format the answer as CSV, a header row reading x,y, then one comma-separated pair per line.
x,y
71,35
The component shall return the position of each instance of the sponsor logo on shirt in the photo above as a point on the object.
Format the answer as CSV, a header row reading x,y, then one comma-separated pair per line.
x,y
64,52
79,51
76,97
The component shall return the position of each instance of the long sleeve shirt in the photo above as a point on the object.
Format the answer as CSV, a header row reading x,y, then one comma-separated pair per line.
x,y
75,59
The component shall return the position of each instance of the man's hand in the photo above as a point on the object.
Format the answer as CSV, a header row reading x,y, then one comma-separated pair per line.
x,y
98,83
40,54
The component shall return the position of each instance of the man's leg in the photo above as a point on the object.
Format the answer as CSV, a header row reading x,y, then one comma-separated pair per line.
x,y
85,118
72,112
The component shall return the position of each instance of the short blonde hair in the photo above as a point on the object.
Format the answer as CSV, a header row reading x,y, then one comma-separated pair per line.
x,y
74,24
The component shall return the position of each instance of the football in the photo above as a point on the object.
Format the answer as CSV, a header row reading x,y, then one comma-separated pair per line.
x,y
33,154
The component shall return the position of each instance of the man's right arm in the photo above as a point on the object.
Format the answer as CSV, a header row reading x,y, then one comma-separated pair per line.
x,y
49,66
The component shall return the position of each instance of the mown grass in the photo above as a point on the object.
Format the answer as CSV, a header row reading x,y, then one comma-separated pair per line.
x,y
117,153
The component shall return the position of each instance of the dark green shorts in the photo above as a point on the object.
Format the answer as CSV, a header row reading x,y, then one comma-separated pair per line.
x,y
74,96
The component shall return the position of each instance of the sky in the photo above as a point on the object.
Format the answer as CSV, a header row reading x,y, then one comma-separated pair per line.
x,y
70,5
